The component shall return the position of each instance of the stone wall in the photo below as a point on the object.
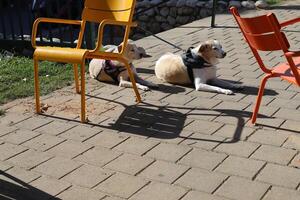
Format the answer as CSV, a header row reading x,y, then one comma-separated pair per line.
x,y
175,13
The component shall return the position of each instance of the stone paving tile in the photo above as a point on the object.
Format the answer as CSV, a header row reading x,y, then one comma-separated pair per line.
x,y
172,138
292,142
168,152
79,133
112,198
29,159
43,142
269,122
202,159
274,154
285,103
290,114
33,123
50,186
252,99
296,161
203,114
203,126
57,167
163,171
178,99
201,180
22,174
80,193
98,156
87,176
279,193
234,131
4,166
239,166
4,129
121,185
280,175
130,164
13,118
196,195
239,148
275,138
19,136
203,141
55,128
69,149
135,145
107,139
159,191
200,102
9,150
235,188
291,125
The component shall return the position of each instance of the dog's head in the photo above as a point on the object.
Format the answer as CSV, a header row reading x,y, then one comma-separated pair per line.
x,y
210,50
133,52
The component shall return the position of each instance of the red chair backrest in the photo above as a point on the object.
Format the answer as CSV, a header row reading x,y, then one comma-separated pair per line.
x,y
262,32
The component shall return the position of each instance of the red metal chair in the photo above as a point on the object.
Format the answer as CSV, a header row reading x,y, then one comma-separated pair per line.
x,y
263,33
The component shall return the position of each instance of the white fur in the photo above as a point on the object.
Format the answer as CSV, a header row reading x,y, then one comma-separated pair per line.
x,y
132,52
170,68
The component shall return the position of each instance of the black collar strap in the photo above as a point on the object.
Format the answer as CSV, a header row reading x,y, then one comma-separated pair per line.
x,y
192,61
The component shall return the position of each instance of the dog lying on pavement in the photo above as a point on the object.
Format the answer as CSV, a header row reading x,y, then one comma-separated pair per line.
x,y
197,66
115,72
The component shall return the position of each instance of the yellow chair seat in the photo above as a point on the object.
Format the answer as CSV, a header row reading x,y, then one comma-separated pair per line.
x,y
60,54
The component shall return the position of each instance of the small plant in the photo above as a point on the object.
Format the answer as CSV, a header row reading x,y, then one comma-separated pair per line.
x,y
2,112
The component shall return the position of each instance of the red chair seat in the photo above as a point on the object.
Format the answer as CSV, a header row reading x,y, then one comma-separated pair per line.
x,y
284,71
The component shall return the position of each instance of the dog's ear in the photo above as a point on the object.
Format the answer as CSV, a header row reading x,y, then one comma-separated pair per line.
x,y
204,47
142,51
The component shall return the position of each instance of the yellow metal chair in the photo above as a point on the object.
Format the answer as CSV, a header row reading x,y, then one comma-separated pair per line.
x,y
104,12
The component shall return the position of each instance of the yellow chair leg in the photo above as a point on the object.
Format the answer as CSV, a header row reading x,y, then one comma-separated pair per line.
x,y
137,94
36,86
75,66
82,117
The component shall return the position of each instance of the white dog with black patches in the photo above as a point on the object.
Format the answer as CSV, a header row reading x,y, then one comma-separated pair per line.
x,y
198,66
115,72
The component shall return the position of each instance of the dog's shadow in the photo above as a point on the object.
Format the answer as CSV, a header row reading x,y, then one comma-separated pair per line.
x,y
251,90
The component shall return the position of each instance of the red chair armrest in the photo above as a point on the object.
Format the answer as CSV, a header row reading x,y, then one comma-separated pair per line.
x,y
290,22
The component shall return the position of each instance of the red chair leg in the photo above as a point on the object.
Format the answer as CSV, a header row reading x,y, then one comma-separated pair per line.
x,y
259,97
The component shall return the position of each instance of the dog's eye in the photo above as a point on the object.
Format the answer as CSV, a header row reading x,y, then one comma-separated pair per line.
x,y
214,48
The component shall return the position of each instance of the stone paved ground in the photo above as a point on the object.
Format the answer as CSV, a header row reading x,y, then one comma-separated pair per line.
x,y
179,144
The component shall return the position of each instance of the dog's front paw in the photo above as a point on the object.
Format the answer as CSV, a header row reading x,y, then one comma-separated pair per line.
x,y
144,88
227,92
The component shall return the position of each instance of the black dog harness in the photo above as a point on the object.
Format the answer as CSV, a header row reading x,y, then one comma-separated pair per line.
x,y
112,70
192,61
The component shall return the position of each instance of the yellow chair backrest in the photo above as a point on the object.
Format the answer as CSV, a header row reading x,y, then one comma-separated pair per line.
x,y
97,10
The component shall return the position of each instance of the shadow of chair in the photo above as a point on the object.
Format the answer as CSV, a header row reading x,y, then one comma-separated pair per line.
x,y
104,12
264,33
14,188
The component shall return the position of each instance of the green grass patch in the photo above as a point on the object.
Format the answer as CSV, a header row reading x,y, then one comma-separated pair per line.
x,y
17,80
272,2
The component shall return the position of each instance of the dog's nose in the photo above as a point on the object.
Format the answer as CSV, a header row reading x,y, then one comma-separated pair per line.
x,y
141,55
224,54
